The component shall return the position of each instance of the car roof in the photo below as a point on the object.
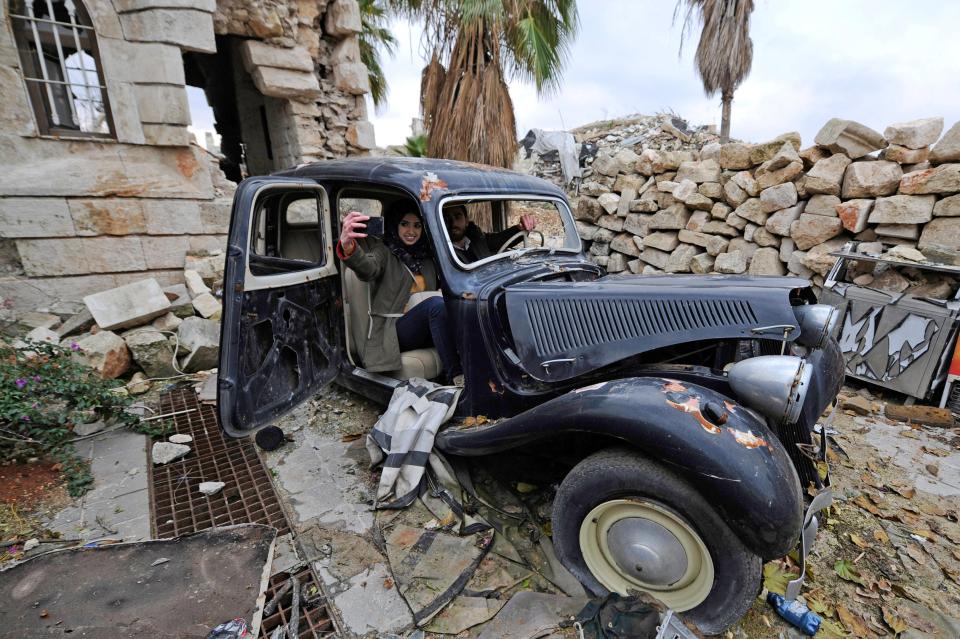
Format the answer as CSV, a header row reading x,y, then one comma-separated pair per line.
x,y
425,176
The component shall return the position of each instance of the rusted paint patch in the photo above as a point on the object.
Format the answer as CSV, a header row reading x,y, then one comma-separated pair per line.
x,y
431,182
748,440
691,406
673,386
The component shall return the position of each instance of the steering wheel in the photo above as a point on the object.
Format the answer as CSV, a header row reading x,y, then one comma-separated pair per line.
x,y
526,240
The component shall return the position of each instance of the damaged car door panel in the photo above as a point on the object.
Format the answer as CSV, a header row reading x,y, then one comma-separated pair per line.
x,y
685,404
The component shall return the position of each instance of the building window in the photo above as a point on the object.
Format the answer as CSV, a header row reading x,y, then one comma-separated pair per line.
x,y
61,67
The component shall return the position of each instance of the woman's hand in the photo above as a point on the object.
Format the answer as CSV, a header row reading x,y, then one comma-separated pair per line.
x,y
352,230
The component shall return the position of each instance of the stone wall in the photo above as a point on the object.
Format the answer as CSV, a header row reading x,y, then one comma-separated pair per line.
x,y
772,208
79,215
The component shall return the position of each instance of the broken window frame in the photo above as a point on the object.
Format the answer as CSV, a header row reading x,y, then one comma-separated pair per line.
x,y
53,98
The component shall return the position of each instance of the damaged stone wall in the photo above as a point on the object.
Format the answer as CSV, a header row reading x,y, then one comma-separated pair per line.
x,y
657,201
80,215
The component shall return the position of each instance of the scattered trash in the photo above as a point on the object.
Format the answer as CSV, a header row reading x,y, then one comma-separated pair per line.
x,y
30,544
180,438
614,616
211,487
270,438
796,613
233,629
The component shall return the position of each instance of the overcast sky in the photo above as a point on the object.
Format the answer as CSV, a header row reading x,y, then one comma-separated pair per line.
x,y
876,62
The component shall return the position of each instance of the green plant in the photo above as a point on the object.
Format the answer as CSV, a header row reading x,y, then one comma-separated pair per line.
x,y
44,391
415,146
154,429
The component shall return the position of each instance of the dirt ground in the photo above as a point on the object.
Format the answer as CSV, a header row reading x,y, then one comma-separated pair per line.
x,y
886,561
28,493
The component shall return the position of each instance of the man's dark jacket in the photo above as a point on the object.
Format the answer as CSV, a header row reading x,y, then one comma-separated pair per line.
x,y
483,244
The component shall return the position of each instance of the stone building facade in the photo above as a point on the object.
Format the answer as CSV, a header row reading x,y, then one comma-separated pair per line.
x,y
100,181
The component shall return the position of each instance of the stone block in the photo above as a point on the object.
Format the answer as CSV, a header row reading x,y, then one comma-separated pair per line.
x,y
680,258
168,322
165,252
201,337
644,205
166,135
854,213
766,261
779,222
105,352
610,202
903,155
766,151
129,6
107,216
699,202
255,53
152,352
899,231
697,220
41,334
654,257
705,171
903,209
947,207
778,197
141,62
915,134
600,249
819,260
15,111
796,266
671,160
673,218
588,209
942,179
749,230
594,188
948,148
702,263
736,221
623,182
766,176
742,245
172,217
720,211
763,237
822,205
826,176
942,233
287,84
627,195
189,29
343,18
786,249
852,138
810,230
35,217
616,263
717,227
752,210
215,215
180,303
585,230
605,164
710,151
626,159
746,181
735,156
94,169
114,254
613,222
732,263
785,156
194,283
682,189
624,243
871,179
73,256
129,305
712,190
813,154
662,241
360,134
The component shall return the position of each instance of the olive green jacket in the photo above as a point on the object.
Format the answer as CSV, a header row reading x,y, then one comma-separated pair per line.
x,y
390,282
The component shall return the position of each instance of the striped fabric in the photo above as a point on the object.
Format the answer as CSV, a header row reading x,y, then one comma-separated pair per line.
x,y
402,439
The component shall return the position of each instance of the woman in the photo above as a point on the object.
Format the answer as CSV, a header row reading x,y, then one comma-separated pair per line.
x,y
398,267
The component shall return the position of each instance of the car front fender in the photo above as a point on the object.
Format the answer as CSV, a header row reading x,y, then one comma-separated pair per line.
x,y
725,451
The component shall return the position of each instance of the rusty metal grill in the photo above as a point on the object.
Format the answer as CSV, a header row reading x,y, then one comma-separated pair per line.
x,y
314,620
177,507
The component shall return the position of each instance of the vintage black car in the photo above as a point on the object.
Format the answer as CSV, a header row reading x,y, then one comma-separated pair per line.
x,y
684,406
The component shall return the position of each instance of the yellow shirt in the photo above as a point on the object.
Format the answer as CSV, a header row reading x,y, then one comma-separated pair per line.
x,y
419,284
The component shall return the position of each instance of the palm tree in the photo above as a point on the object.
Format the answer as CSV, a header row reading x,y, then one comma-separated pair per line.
x,y
725,51
472,46
373,36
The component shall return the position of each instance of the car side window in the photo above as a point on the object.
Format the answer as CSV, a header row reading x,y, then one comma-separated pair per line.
x,y
287,233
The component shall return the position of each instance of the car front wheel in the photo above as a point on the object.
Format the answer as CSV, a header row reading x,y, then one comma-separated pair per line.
x,y
623,522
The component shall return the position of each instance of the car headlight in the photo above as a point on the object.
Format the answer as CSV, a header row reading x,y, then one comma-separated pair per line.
x,y
773,385
816,321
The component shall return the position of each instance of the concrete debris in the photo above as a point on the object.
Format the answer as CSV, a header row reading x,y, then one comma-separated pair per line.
x,y
209,488
201,338
179,438
41,334
152,352
195,284
179,297
166,452
138,384
207,306
129,305
106,352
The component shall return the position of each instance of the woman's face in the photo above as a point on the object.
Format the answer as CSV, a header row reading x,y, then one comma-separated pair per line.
x,y
410,229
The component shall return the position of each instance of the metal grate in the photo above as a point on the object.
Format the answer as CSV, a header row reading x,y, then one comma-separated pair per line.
x,y
178,508
314,620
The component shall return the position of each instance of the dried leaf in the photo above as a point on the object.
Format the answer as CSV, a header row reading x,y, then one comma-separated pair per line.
x,y
859,541
938,452
817,601
952,536
904,491
881,535
775,578
862,501
869,594
956,554
916,553
846,570
926,534
929,508
853,622
906,592
872,465
909,433
882,585
829,628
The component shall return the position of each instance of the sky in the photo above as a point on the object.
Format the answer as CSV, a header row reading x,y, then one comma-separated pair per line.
x,y
876,62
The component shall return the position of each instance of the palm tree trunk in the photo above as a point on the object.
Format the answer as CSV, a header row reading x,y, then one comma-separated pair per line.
x,y
726,99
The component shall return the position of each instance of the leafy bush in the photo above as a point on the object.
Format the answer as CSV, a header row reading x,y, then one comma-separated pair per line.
x,y
416,146
44,392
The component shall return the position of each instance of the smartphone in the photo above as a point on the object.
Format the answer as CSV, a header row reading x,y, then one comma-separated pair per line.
x,y
374,227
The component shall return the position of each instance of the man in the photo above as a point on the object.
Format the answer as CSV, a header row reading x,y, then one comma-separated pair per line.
x,y
472,244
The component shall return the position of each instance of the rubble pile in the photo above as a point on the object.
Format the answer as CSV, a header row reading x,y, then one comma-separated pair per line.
x,y
141,328
774,208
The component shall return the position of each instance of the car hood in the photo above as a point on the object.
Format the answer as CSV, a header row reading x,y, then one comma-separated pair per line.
x,y
562,330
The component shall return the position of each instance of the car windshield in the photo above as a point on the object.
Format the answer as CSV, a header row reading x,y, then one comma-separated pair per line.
x,y
480,230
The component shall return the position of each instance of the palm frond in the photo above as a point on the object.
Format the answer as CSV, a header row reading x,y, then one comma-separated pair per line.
x,y
725,51
373,38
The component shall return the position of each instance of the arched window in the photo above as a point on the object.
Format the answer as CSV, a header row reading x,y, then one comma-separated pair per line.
x,y
61,66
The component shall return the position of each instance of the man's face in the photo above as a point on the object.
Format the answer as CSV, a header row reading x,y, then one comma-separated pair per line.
x,y
457,223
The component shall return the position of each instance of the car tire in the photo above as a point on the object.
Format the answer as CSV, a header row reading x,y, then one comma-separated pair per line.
x,y
694,563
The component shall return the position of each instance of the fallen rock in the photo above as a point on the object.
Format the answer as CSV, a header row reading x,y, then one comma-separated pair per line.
x,y
899,231
948,148
208,306
210,487
871,179
915,134
194,282
859,405
166,452
766,151
942,233
179,438
918,414
168,323
138,384
152,352
890,281
106,352
849,137
208,267
78,323
35,319
201,338
906,253
179,297
41,334
129,305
